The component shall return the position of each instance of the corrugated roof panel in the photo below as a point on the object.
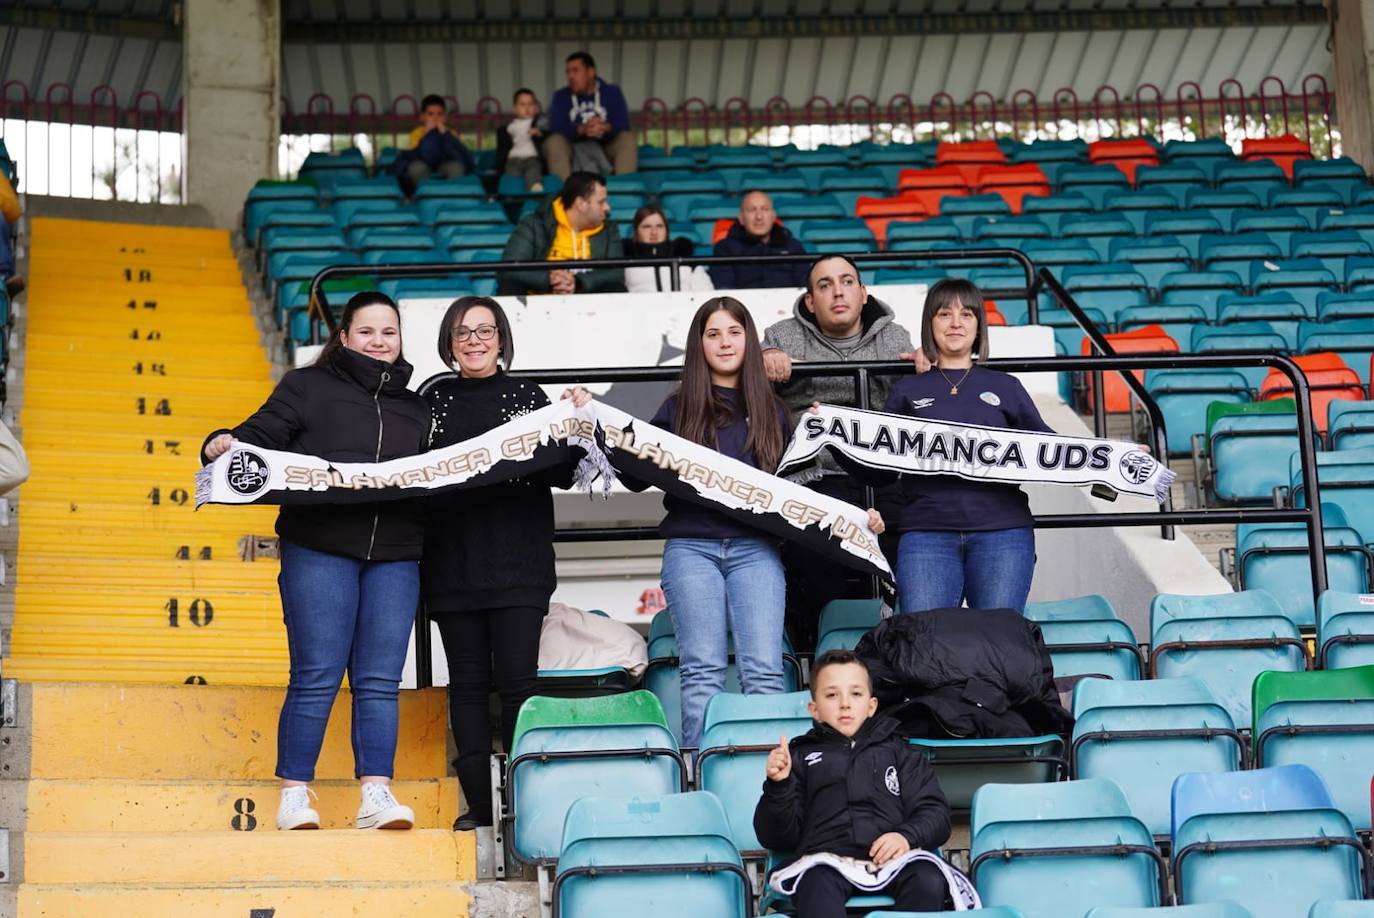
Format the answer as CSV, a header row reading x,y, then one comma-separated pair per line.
x,y
703,72
1094,68
767,75
467,72
998,61
870,60
666,61
732,69
333,75
56,65
401,70
1132,55
538,70
932,67
1228,55
961,78
364,63
1061,69
502,73
1196,50
1027,71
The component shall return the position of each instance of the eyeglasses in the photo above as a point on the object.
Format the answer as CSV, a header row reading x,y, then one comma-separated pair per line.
x,y
483,332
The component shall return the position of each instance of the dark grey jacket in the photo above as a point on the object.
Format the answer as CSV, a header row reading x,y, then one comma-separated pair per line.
x,y
802,340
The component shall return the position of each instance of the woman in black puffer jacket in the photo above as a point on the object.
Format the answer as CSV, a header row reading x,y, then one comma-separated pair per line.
x,y
349,572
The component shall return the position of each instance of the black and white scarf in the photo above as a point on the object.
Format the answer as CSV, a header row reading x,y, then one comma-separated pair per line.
x,y
615,443
897,443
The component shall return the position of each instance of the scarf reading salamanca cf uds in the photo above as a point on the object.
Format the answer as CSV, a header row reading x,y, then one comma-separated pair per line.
x,y
897,443
614,443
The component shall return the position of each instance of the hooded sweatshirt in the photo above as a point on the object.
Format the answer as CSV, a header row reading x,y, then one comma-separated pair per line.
x,y
801,338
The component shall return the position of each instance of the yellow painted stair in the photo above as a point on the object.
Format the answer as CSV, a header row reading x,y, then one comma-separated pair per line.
x,y
151,657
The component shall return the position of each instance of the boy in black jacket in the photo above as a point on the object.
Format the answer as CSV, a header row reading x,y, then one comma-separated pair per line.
x,y
853,788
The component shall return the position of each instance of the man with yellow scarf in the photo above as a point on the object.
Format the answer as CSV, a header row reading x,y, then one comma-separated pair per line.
x,y
572,227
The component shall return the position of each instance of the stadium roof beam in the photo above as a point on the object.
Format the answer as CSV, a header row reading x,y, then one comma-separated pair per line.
x,y
91,22
687,27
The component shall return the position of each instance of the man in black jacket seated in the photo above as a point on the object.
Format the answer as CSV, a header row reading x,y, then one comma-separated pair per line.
x,y
852,787
758,232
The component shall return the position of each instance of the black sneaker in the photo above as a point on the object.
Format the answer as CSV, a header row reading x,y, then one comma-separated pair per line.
x,y
14,286
470,820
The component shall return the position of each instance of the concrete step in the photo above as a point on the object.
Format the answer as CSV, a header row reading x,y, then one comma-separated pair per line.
x,y
143,339
247,367
280,900
234,858
213,806
150,397
167,516
139,377
84,731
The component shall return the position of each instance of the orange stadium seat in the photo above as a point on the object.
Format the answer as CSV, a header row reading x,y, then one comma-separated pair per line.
x,y
1126,155
929,186
970,156
1013,183
879,212
995,316
1284,150
1151,339
1328,377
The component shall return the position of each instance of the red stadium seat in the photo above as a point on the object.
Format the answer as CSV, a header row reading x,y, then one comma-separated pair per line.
x,y
1284,150
1150,339
1126,155
929,186
995,316
879,212
1013,183
969,157
1327,376
722,227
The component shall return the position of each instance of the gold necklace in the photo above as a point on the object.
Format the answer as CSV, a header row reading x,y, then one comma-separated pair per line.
x,y
954,386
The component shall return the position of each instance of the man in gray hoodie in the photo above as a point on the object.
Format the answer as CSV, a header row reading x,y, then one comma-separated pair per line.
x,y
835,320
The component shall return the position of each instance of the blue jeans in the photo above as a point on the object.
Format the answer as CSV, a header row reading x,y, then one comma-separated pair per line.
x,y
6,251
343,614
715,586
939,569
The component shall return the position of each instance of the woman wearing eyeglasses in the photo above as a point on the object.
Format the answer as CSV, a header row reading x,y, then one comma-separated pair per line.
x,y
487,573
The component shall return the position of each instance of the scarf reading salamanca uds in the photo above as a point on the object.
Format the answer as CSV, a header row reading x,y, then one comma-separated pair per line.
x,y
897,443
615,444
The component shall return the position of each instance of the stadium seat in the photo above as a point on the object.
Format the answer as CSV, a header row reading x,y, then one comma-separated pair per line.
x,y
1184,395
1206,155
1313,202
817,207
1097,230
1110,287
879,212
1127,155
1011,231
1059,253
662,679
1331,247
965,211
739,732
1222,202
936,229
1135,205
270,197
1345,629
1198,288
1187,227
1225,640
669,855
1246,836
1350,425
1057,850
465,213
1178,320
1053,209
1143,734
1283,313
1275,557
1278,224
869,181
570,748
1347,909
1148,340
1172,178
1350,339
969,157
1085,637
1224,909
1302,278
1093,182
1353,305
1154,257
1347,481
1239,336
1328,378
1014,183
962,766
1324,720
844,621
1248,446
846,235
1340,174
1284,151
1050,151
1236,252
1256,176
930,186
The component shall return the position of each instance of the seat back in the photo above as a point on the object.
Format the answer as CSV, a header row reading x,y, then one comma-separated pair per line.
x,y
1261,790
1226,909
1345,629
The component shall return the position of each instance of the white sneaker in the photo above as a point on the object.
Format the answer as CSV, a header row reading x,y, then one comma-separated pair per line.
x,y
295,811
379,810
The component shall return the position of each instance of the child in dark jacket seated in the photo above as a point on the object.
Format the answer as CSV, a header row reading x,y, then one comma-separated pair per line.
x,y
852,789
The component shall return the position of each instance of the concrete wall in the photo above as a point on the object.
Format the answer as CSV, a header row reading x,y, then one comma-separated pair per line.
x,y
232,85
1352,50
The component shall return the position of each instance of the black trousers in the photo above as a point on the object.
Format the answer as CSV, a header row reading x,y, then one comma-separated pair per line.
x,y
486,649
813,581
822,891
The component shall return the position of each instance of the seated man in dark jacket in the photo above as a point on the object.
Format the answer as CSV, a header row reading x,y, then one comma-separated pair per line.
x,y
758,232
434,148
572,227
852,788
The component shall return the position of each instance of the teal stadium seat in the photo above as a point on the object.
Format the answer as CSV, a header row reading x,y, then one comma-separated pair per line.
x,y
1199,910
1345,629
739,731
1332,247
1135,205
1205,155
1357,304
1059,850
1096,230
1340,174
1086,637
1153,257
1093,182
1187,227
1222,203
966,211
1359,219
1350,425
671,856
1324,720
1247,450
1236,252
1199,288
1278,308
1225,640
1144,734
1057,253
1312,202
1301,278
962,766
570,748
1279,225
1275,557
467,187
844,621
1173,179
1256,176
1347,909
1110,288
1054,208
1184,395
1352,339
1347,480
1246,836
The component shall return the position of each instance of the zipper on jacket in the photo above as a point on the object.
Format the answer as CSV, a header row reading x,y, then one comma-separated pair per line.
x,y
377,513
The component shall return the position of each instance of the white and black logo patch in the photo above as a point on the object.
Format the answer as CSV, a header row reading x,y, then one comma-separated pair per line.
x,y
894,787
247,473
1136,466
813,758
918,403
990,398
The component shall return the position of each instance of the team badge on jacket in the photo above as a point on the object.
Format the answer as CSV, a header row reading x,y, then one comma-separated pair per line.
x,y
894,787
918,403
813,758
991,398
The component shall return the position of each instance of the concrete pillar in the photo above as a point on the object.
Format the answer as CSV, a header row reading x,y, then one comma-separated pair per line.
x,y
1352,52
231,122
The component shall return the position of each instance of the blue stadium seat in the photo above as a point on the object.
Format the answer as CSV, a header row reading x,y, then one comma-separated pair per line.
x,y
1143,734
268,198
277,240
1136,205
1249,455
749,157
1172,178
1311,202
847,234
626,183
1345,629
1331,247
1302,278
739,732
570,748
459,236
1210,637
1199,288
1346,478
1275,557
1154,257
1107,287
1279,225
817,207
1093,182
1278,308
1358,219
1350,424
328,169
669,855
1185,226
869,181
1257,176
1103,855
1183,397
650,166
1324,720
844,621
1226,909
391,236
465,186
1222,202
1015,231
965,211
941,229
1054,208
1352,339
1218,818
298,219
1206,155
463,212
789,181
1085,636
1056,253
1353,305
1340,174
1236,252
1097,230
